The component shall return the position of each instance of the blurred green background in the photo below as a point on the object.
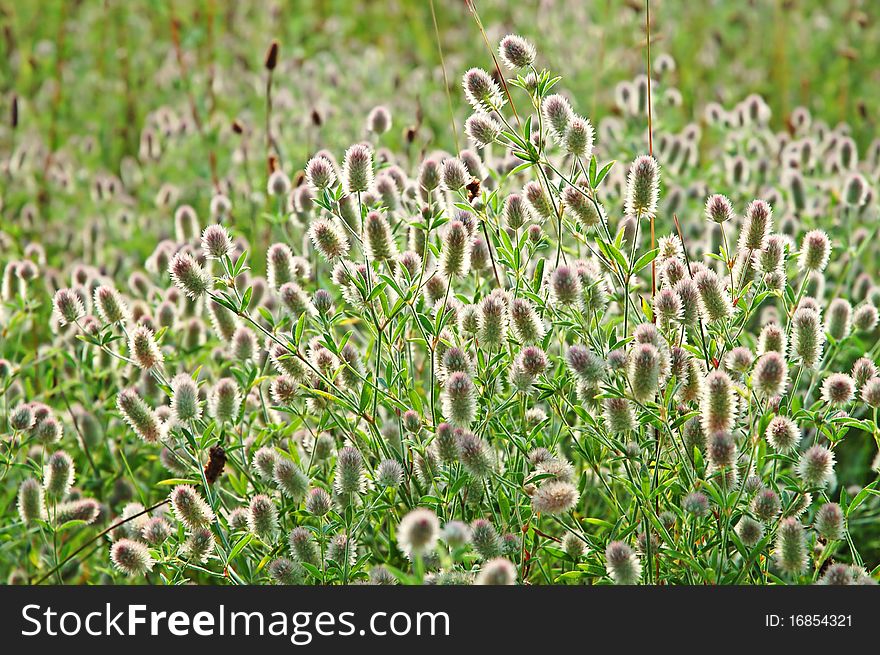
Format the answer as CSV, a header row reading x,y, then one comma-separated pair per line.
x,y
107,55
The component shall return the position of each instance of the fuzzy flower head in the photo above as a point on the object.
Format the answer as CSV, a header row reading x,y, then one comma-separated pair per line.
x,y
838,389
141,417
455,255
482,129
459,399
757,226
770,376
497,571
379,120
378,239
791,547
58,474
418,532
808,336
719,209
328,238
110,305
642,187
189,276
131,557
320,173
815,251
555,497
224,400
216,242
68,306
31,501
816,466
357,169
263,518
829,521
349,471
783,434
143,348
516,52
622,564
557,114
190,508
578,137
644,371
481,91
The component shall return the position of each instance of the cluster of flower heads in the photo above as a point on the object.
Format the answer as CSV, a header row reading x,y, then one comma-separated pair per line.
x,y
478,369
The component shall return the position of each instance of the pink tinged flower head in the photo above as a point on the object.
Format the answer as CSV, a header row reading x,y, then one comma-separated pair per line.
x,y
516,52
481,91
783,434
770,376
644,371
418,532
143,349
328,238
816,466
357,169
58,474
189,276
718,209
190,508
815,251
554,497
459,399
757,226
498,571
578,137
131,557
558,115
838,389
379,120
482,129
68,306
110,305
320,173
216,242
